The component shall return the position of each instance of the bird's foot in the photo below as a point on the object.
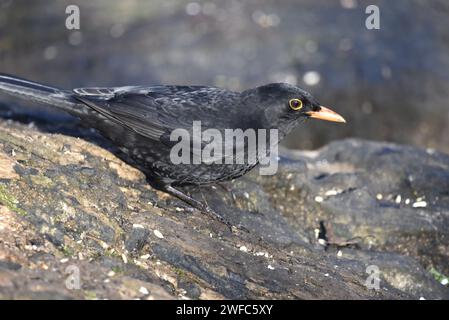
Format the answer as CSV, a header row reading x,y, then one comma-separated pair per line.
x,y
214,215
211,213
204,208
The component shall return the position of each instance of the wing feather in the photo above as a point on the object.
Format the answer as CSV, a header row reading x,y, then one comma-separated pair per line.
x,y
154,112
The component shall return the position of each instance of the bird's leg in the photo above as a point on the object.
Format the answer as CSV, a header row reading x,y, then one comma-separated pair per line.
x,y
202,196
204,208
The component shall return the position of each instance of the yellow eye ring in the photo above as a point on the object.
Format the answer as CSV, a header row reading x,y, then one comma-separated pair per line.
x,y
295,104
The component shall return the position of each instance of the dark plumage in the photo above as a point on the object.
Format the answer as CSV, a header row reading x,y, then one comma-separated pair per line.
x,y
139,120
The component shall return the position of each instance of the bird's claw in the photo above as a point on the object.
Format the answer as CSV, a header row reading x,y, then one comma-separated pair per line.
x,y
219,218
207,210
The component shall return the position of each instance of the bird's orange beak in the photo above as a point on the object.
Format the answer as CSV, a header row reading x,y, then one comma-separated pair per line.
x,y
326,114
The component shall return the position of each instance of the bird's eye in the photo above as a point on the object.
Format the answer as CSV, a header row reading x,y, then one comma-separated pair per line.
x,y
295,104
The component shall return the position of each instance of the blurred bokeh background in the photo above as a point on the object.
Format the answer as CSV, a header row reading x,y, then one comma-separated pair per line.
x,y
390,84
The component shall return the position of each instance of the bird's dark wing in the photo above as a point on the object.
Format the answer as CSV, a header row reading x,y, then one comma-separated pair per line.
x,y
154,112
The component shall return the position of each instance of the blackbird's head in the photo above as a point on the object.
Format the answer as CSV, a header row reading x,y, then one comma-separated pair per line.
x,y
284,106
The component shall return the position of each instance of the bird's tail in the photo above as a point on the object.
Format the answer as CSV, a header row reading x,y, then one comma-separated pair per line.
x,y
37,92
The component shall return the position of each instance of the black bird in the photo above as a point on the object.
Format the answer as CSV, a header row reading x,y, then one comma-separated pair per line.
x,y
140,119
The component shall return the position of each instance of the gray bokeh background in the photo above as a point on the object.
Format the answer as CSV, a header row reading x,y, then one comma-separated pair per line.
x,y
390,84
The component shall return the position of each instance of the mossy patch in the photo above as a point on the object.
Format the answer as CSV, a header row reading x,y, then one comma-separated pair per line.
x,y
90,295
441,278
68,251
10,202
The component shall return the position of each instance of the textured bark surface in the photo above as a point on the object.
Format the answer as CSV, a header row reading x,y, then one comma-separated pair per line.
x,y
67,204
